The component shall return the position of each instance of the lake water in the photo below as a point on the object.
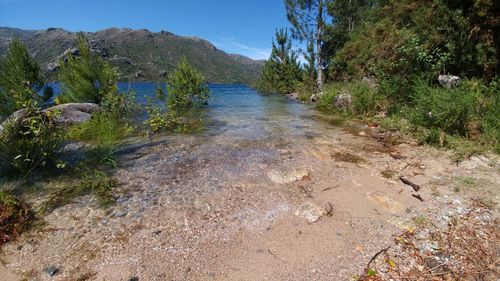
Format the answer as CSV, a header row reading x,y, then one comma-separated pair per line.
x,y
240,112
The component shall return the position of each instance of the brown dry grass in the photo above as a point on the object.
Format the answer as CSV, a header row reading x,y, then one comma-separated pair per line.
x,y
15,217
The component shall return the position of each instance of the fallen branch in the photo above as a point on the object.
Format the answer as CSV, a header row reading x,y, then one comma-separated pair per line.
x,y
418,197
329,188
406,181
375,256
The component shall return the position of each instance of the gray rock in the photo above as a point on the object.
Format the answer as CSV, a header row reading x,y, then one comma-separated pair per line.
x,y
371,82
343,100
72,113
62,115
120,213
293,96
52,66
287,176
448,81
51,270
314,98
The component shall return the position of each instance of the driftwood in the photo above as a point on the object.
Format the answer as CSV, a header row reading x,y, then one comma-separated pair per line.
x,y
406,181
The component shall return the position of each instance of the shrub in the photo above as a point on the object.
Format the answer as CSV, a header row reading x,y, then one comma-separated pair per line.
x,y
451,110
86,78
104,128
20,80
282,70
29,144
330,92
365,99
15,217
186,86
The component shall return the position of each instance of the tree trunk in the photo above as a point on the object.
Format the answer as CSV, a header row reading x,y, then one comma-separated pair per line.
x,y
319,33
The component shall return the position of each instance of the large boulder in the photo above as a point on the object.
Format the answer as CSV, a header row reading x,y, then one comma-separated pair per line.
x,y
71,113
343,100
448,81
62,115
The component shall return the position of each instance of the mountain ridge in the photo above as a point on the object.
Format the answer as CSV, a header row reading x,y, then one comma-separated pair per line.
x,y
139,54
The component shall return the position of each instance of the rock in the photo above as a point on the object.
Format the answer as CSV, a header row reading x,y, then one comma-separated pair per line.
x,y
310,211
386,203
62,115
293,96
135,278
448,81
51,270
371,81
139,74
343,100
314,98
71,113
52,66
282,177
163,73
474,162
119,213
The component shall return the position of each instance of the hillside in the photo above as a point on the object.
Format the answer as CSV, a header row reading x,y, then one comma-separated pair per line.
x,y
139,54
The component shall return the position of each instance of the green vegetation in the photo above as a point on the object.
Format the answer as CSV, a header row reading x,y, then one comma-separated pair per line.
x,y
20,80
186,88
308,18
86,78
393,79
30,144
282,71
103,128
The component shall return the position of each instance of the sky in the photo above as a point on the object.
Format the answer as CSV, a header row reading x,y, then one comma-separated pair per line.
x,y
236,26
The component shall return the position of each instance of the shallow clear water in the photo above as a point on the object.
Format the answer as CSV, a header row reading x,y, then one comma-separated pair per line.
x,y
238,111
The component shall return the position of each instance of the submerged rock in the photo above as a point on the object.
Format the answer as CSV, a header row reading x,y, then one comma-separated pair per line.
x,y
282,177
310,211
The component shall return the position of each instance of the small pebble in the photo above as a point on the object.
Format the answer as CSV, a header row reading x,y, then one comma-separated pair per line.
x,y
51,270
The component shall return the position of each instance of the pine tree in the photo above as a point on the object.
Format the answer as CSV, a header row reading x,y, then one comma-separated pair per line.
x,y
308,18
20,79
186,86
281,71
87,77
346,15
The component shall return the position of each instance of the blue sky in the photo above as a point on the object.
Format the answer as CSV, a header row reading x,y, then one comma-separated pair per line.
x,y
236,26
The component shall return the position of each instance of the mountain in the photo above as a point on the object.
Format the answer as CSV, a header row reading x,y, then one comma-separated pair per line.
x,y
141,55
